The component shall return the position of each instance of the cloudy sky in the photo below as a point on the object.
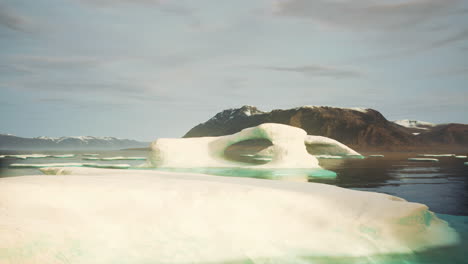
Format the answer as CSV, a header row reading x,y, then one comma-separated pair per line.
x,y
143,69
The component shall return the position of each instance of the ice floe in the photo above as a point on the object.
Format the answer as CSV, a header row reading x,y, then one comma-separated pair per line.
x,y
423,159
26,156
63,156
124,158
436,155
44,165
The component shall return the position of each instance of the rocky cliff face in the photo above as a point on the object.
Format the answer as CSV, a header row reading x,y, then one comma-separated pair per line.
x,y
362,129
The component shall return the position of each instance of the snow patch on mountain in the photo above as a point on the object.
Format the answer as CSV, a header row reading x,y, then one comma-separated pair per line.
x,y
414,124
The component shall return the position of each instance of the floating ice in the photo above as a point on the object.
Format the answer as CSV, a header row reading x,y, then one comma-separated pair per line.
x,y
90,154
124,158
26,156
423,159
377,156
460,157
288,149
157,217
91,158
466,163
328,157
44,165
63,156
436,155
107,166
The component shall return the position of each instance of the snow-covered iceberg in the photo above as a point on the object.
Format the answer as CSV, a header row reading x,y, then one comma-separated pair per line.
x,y
288,149
144,216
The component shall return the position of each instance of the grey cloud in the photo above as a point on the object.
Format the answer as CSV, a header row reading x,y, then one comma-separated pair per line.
x,y
12,20
55,62
459,36
367,14
319,71
163,5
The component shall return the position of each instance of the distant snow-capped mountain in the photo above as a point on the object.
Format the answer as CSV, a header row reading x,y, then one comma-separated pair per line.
x,y
8,141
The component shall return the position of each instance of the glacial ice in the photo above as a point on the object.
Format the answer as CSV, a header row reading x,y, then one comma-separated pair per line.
x,y
288,149
143,216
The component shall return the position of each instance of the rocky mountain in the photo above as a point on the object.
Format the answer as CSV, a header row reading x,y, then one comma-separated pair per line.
x,y
12,142
361,129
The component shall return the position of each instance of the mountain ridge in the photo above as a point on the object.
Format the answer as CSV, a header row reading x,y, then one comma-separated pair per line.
x,y
9,141
363,129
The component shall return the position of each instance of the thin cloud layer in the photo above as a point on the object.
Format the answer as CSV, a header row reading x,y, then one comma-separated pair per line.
x,y
319,71
362,15
12,20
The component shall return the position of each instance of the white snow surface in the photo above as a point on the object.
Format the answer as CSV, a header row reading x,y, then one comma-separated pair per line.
x,y
142,216
288,149
414,123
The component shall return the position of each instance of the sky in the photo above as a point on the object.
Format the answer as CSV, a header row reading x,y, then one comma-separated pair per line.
x,y
143,69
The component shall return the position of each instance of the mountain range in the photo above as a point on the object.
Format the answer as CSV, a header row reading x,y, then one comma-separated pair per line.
x,y
360,128
12,142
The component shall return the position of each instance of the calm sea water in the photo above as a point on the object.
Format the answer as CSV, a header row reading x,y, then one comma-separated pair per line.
x,y
443,186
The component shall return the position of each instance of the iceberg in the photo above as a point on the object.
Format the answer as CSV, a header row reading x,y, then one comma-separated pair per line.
x,y
377,156
143,216
288,150
460,157
90,155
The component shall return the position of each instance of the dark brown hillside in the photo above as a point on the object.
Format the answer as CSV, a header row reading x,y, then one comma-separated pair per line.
x,y
361,129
